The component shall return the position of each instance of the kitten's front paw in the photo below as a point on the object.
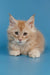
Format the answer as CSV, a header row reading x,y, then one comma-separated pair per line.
x,y
34,53
14,53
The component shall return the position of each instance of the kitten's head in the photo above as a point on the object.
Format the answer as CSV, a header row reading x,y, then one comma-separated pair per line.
x,y
21,31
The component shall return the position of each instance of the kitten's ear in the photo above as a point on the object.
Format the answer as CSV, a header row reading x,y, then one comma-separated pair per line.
x,y
30,22
12,20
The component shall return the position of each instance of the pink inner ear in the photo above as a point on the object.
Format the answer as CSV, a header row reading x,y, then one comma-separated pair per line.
x,y
30,23
11,24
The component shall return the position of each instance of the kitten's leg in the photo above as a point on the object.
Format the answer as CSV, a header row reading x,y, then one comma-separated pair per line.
x,y
13,50
34,53
14,53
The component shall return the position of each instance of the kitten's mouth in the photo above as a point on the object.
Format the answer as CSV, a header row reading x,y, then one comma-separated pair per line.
x,y
20,42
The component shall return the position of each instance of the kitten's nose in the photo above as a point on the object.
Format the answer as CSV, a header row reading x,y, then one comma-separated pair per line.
x,y
20,39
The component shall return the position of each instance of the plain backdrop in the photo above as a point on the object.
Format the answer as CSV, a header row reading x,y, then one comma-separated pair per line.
x,y
23,9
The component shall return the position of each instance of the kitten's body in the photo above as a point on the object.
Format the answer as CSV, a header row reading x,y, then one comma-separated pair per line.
x,y
32,43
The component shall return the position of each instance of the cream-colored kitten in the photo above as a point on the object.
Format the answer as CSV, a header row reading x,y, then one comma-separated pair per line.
x,y
24,38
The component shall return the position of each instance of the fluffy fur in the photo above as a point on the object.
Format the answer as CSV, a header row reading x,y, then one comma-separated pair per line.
x,y
24,38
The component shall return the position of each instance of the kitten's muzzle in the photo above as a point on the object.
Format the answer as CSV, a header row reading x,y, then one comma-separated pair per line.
x,y
20,40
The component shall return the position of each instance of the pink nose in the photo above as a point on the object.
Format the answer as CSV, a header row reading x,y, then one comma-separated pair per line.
x,y
20,39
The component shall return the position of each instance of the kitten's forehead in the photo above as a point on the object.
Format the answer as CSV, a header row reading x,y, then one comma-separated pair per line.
x,y
21,25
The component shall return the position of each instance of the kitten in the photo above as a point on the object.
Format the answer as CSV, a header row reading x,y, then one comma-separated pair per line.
x,y
24,38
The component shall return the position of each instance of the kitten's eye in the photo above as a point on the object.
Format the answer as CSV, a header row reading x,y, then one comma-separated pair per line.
x,y
25,33
16,33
